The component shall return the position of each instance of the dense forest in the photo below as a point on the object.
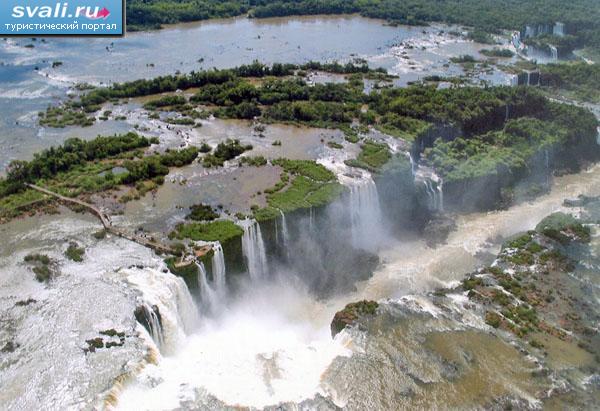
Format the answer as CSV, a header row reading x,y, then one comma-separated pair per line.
x,y
580,16
579,80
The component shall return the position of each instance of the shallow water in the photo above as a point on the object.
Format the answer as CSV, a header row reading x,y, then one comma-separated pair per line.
x,y
221,43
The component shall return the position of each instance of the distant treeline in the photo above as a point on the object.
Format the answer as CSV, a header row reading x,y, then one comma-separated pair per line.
x,y
580,16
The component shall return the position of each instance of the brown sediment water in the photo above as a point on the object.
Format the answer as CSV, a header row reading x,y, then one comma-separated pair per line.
x,y
412,266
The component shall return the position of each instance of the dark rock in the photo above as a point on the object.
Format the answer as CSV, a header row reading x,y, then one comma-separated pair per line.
x,y
94,344
10,347
352,313
437,230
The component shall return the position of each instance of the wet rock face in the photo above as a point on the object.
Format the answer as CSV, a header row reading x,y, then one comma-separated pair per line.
x,y
351,314
437,230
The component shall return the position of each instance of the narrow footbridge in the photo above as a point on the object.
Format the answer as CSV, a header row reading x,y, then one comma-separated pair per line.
x,y
106,222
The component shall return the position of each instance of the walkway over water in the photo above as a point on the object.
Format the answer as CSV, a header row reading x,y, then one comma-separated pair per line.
x,y
106,222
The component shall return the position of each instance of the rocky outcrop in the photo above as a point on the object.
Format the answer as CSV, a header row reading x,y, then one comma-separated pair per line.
x,y
437,229
351,314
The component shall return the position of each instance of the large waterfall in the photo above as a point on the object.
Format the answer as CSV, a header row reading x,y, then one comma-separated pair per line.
x,y
167,304
253,248
365,214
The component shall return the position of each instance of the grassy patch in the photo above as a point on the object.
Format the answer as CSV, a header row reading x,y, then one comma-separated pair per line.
x,y
372,157
222,231
75,253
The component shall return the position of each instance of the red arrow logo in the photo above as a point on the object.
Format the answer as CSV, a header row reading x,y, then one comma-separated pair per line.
x,y
102,14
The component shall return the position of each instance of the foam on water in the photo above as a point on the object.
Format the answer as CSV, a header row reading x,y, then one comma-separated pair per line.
x,y
271,346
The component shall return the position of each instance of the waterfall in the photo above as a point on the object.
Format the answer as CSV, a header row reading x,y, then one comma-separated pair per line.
x,y
559,29
413,164
284,231
212,293
528,77
208,295
218,269
366,218
554,52
506,115
253,248
149,317
168,306
435,192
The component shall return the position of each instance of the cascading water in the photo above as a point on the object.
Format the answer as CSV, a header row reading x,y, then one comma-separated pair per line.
x,y
168,296
208,295
253,248
559,29
218,269
413,164
365,213
434,187
554,52
285,236
149,317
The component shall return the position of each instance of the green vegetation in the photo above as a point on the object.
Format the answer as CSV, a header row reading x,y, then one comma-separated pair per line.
x,y
37,258
229,90
202,212
352,313
60,117
493,319
189,271
577,80
492,147
466,58
502,53
40,266
258,161
225,151
373,156
78,167
480,36
100,235
75,253
221,230
304,184
564,228
165,101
